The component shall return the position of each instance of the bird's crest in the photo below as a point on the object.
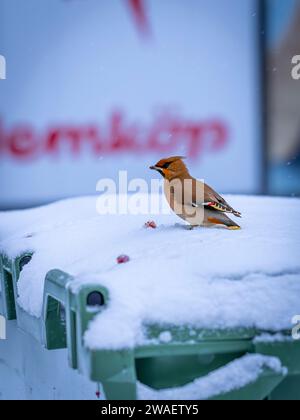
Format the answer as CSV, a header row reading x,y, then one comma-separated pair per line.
x,y
172,167
169,161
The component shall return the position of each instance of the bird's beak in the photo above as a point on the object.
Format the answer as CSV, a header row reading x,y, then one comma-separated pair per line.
x,y
154,168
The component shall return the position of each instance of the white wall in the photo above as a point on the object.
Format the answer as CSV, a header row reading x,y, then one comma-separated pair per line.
x,y
72,65
28,372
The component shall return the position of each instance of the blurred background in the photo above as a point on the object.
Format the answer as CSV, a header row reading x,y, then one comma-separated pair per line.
x,y
283,97
97,86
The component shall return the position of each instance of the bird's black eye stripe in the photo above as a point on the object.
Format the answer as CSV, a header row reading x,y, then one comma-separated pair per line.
x,y
166,165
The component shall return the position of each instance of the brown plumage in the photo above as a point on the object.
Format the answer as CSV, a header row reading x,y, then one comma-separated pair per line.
x,y
192,200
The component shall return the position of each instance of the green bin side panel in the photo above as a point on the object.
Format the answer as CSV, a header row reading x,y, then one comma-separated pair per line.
x,y
55,325
2,310
115,370
184,334
287,351
71,339
14,267
257,391
175,371
188,349
56,310
7,263
7,293
288,390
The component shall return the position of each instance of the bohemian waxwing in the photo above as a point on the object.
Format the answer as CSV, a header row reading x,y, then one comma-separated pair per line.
x,y
192,200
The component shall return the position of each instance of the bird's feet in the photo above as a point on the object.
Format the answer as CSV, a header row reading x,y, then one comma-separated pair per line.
x,y
191,227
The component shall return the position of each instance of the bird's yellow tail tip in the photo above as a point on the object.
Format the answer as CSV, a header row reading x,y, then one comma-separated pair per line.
x,y
234,228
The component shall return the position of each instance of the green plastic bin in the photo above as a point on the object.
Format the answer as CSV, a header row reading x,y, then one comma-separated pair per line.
x,y
67,312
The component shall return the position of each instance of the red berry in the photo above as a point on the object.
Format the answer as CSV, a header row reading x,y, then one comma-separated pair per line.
x,y
98,393
122,259
151,224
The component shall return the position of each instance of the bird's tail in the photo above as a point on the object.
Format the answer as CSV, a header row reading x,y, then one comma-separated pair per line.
x,y
223,219
236,213
230,224
234,226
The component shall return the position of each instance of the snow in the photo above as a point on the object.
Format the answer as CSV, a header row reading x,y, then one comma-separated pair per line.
x,y
205,278
272,338
165,337
237,374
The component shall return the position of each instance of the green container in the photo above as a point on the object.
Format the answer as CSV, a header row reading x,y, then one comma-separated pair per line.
x,y
7,297
288,390
68,310
160,365
288,352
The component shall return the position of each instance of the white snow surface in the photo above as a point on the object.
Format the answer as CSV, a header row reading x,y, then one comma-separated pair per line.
x,y
206,278
235,375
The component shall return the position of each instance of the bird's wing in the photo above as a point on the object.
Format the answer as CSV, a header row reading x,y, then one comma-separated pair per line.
x,y
214,201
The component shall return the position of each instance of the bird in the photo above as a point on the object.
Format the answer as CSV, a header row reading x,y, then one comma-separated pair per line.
x,y
192,200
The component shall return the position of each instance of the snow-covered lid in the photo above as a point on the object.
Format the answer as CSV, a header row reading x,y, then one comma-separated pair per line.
x,y
206,278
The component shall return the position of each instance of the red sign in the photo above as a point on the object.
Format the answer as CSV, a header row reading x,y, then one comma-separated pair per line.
x,y
164,136
139,12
